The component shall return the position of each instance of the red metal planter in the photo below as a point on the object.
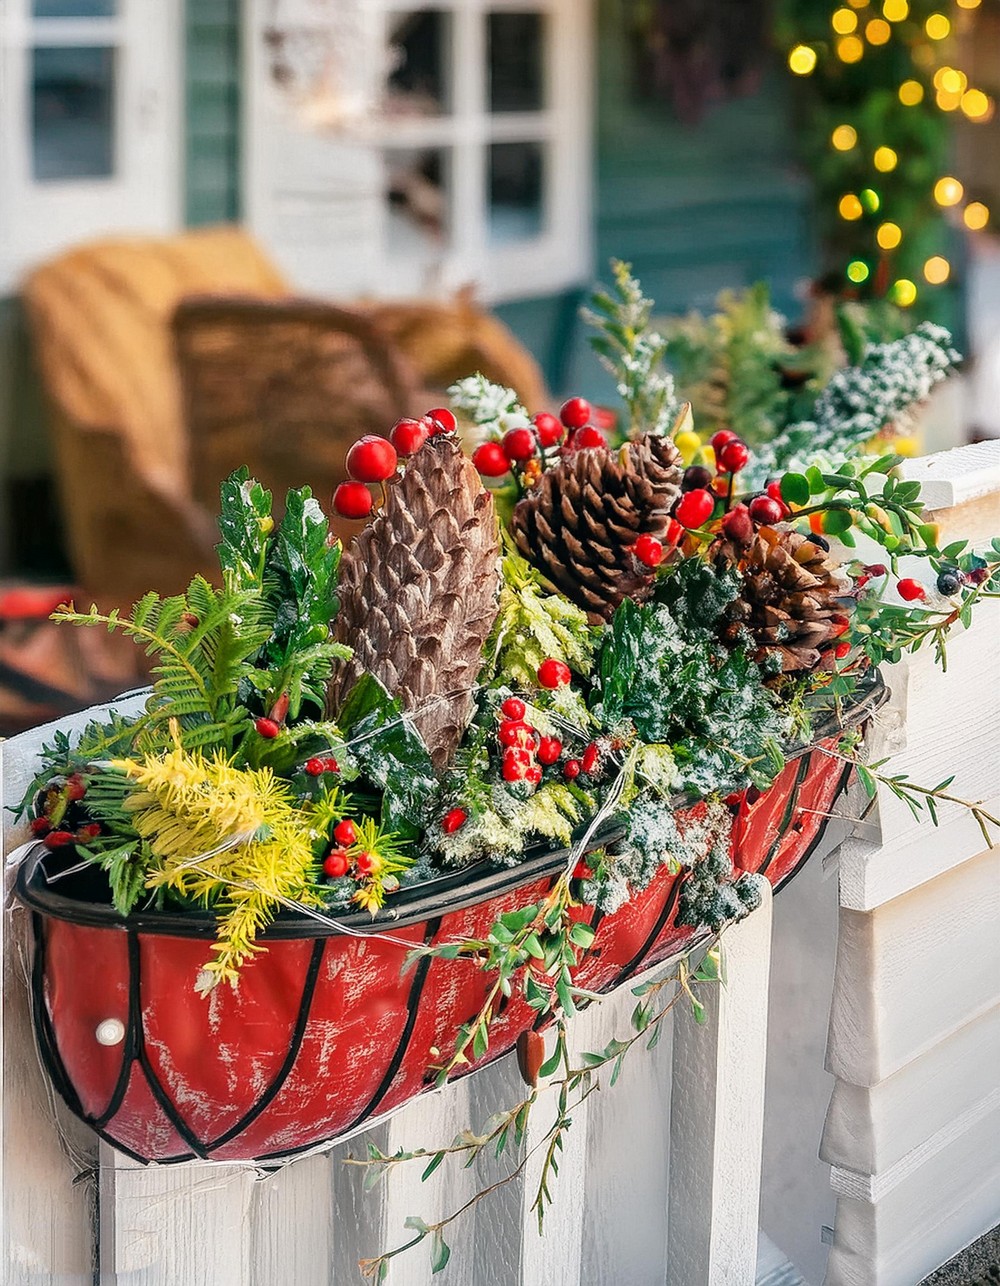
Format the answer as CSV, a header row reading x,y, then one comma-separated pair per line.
x,y
324,1032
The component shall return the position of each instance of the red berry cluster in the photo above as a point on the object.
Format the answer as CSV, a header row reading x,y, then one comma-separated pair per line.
x,y
526,753
318,765
55,826
523,448
374,459
348,853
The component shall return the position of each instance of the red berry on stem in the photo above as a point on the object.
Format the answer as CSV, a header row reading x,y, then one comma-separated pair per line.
x,y
534,775
575,412
491,460
719,440
549,750
90,831
910,589
330,764
76,787
454,820
58,839
695,508
738,525
648,550
408,436
335,863
591,758
773,489
515,765
267,728
365,862
345,832
572,769
40,826
519,444
766,511
372,459
442,420
550,430
841,650
314,767
514,732
733,457
514,708
877,569
587,438
553,673
353,500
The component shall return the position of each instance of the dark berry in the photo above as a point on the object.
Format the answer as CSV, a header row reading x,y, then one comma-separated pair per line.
x,y
696,478
949,582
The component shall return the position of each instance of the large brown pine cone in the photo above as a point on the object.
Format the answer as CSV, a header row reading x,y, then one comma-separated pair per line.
x,y
419,588
793,600
579,524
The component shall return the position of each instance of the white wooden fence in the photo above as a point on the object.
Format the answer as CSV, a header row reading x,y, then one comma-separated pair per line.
x,y
661,1181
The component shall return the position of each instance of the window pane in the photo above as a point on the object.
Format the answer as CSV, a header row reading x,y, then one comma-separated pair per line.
x,y
418,184
73,112
516,62
419,83
74,8
516,190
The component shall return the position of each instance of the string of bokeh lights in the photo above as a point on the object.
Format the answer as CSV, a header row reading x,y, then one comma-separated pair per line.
x,y
853,31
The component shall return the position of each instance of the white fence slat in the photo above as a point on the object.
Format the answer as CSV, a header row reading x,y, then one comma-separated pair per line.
x,y
717,1118
290,1222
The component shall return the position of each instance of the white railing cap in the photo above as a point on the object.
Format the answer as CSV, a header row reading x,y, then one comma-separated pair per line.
x,y
950,478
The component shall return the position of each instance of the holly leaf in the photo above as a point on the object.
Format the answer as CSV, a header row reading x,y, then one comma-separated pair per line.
x,y
244,523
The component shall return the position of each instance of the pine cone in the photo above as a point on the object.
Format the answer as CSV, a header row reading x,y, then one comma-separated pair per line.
x,y
793,597
579,524
419,588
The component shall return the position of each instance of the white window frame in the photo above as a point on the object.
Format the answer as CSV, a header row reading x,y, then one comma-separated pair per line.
x,y
143,194
317,202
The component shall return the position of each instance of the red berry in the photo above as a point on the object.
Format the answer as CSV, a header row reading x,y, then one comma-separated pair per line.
x,y
372,459
582,871
330,764
58,839
550,431
90,831
267,728
441,421
335,863
408,436
514,708
549,750
675,533
454,820
738,525
534,775
491,460
365,862
575,413
353,500
515,765
591,757
766,511
877,569
695,508
648,550
733,457
76,787
514,732
345,832
773,489
841,650
910,589
572,768
40,826
314,767
719,440
553,673
519,444
588,437
840,625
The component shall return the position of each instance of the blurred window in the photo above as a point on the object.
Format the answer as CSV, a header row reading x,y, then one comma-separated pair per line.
x,y
72,101
73,8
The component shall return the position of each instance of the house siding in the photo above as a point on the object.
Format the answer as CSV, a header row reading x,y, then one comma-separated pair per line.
x,y
212,105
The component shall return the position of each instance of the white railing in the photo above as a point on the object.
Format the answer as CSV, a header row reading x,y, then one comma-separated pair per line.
x,y
670,1159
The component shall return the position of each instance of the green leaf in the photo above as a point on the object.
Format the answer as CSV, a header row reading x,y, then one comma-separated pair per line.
x,y
581,935
416,1223
552,1062
434,1163
795,489
440,1253
867,780
817,483
837,521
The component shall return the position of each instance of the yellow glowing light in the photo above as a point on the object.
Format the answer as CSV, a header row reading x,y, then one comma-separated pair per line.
x,y
903,292
948,191
948,102
969,4
911,92
870,200
885,159
976,215
858,271
896,10
850,207
878,32
858,4
802,60
950,80
937,270
850,49
844,21
889,236
907,446
844,137
937,27
975,104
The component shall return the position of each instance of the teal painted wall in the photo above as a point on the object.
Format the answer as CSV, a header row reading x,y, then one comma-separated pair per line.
x,y
212,103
